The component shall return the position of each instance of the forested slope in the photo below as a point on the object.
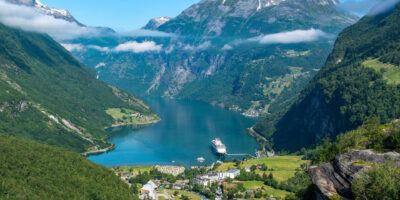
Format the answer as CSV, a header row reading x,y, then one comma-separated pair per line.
x,y
358,81
48,96
32,171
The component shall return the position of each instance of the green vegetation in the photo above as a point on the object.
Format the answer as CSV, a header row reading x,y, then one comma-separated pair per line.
x,y
345,93
46,95
380,182
282,167
134,169
371,135
181,194
127,116
33,171
390,72
267,190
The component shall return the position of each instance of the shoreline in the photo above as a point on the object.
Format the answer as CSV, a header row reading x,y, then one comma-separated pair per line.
x,y
113,146
261,140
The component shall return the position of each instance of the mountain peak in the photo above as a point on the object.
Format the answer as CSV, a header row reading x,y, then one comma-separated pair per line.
x,y
157,22
56,13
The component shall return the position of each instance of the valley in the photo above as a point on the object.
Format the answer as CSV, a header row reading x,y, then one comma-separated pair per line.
x,y
236,99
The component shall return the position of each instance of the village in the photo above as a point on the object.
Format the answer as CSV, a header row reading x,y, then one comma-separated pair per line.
x,y
261,178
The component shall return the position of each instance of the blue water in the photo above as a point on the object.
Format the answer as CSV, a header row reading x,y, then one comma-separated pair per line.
x,y
184,134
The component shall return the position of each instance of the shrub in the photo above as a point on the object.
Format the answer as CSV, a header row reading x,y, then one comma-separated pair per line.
x,y
380,182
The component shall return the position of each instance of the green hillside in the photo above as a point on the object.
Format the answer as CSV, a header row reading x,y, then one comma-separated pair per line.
x,y
358,81
48,96
32,171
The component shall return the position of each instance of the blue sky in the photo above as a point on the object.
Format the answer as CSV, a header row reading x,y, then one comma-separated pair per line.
x,y
126,15
122,15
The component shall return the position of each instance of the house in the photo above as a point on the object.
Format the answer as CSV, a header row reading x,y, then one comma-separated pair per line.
x,y
148,191
229,174
247,169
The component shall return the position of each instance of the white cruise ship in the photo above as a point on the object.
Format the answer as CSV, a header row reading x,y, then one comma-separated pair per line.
x,y
218,146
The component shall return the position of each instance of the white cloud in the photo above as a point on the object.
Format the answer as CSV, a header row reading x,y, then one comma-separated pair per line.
x,y
148,33
73,47
227,47
30,19
138,47
98,48
297,36
203,46
81,47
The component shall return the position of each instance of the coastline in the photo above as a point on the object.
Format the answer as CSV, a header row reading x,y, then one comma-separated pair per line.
x,y
113,146
261,140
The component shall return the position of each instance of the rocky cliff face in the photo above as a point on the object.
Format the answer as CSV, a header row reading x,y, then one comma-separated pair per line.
x,y
244,17
217,55
335,178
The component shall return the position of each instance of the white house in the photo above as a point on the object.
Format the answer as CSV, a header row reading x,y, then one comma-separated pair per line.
x,y
148,191
229,174
247,169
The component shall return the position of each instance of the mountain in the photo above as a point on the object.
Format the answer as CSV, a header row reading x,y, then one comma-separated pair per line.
x,y
58,14
156,22
360,80
33,171
255,17
224,53
46,95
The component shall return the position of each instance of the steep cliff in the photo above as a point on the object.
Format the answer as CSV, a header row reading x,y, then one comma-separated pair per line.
x,y
359,80
336,178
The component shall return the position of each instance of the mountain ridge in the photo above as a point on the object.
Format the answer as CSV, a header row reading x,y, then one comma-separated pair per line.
x,y
348,90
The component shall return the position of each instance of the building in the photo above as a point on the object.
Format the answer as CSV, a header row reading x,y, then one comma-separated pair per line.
x,y
247,169
229,174
148,191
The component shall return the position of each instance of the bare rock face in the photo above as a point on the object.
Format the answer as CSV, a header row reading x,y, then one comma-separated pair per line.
x,y
336,178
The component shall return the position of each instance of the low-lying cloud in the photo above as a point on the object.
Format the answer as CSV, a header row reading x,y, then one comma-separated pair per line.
x,y
148,33
138,47
30,19
131,46
290,37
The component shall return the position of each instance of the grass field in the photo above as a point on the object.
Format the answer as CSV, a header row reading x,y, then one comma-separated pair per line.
x,y
390,72
267,189
127,116
185,193
284,167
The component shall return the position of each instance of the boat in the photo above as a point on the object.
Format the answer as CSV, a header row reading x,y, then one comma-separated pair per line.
x,y
218,146
201,159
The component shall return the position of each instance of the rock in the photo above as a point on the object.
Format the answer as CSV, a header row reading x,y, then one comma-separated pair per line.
x,y
22,105
335,178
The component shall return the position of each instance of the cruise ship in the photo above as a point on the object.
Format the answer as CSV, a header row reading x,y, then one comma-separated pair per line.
x,y
218,146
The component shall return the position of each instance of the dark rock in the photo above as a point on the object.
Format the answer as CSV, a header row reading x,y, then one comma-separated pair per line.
x,y
335,178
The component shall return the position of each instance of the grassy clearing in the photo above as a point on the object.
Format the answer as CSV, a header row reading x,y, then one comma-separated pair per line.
x,y
185,193
284,167
128,116
267,189
390,72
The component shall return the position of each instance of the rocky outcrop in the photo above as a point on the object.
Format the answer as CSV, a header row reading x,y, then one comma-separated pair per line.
x,y
335,178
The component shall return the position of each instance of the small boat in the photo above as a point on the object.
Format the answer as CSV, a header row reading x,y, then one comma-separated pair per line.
x,y
201,159
218,146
